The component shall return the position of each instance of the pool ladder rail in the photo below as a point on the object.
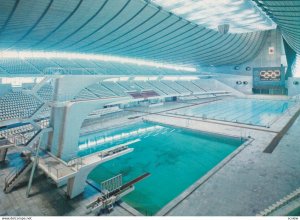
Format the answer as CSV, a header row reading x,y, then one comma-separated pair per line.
x,y
110,196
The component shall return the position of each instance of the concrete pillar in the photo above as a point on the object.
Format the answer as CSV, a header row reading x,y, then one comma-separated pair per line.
x,y
3,153
66,122
68,115
77,183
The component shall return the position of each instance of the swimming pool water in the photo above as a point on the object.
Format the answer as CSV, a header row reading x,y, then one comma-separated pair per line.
x,y
247,111
174,157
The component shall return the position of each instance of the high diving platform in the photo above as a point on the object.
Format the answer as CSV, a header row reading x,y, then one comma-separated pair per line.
x,y
67,173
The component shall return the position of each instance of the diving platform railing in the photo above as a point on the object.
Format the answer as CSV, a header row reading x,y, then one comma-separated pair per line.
x,y
60,171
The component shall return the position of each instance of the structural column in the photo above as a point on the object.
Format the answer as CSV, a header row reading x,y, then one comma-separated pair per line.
x,y
3,153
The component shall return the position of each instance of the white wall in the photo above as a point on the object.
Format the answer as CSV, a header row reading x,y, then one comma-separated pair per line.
x,y
230,80
292,88
262,59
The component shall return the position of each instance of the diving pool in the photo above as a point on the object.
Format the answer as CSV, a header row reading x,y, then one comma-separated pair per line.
x,y
244,111
175,158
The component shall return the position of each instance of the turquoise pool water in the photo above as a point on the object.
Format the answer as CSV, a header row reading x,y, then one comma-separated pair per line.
x,y
246,111
174,157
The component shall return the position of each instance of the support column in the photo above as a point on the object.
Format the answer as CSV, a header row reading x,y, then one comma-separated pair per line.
x,y
68,115
66,122
77,183
3,153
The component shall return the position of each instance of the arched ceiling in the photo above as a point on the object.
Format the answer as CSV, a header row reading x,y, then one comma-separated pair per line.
x,y
131,28
242,16
286,13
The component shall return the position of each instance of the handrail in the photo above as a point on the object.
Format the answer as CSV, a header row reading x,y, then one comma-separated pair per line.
x,y
77,161
49,170
33,137
15,172
108,152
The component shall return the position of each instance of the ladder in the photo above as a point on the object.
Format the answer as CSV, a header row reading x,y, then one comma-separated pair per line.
x,y
15,176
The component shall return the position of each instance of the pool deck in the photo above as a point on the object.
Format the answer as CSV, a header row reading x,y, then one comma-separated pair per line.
x,y
245,183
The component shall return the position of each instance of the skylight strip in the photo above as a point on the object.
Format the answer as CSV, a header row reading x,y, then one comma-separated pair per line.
x,y
104,58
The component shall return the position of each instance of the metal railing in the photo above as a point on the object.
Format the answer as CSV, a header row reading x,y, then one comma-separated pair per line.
x,y
75,162
110,152
56,170
112,184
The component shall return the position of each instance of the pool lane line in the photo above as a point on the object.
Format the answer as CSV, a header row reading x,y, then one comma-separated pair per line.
x,y
188,106
194,118
287,111
216,122
274,143
258,125
261,110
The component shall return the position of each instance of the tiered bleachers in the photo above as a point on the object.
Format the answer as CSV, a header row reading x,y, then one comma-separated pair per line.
x,y
128,86
109,68
144,94
17,66
176,87
104,111
46,92
71,66
115,88
207,85
190,86
85,94
18,105
162,87
5,133
90,66
34,65
45,113
145,85
42,64
158,87
100,91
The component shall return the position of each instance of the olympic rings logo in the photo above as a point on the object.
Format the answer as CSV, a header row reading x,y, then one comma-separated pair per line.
x,y
270,74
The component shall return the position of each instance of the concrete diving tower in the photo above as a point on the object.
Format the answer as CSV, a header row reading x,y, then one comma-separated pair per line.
x,y
59,159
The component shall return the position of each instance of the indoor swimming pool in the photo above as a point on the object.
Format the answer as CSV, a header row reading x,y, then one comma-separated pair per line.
x,y
244,111
174,157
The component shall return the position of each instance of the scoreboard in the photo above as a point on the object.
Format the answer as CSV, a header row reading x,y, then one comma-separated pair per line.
x,y
269,78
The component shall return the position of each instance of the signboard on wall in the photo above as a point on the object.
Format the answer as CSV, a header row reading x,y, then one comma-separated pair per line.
x,y
268,77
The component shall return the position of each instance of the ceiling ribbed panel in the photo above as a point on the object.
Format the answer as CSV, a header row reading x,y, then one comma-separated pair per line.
x,y
286,13
241,16
132,28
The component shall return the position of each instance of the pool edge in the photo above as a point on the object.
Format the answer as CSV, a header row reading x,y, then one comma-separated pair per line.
x,y
175,202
